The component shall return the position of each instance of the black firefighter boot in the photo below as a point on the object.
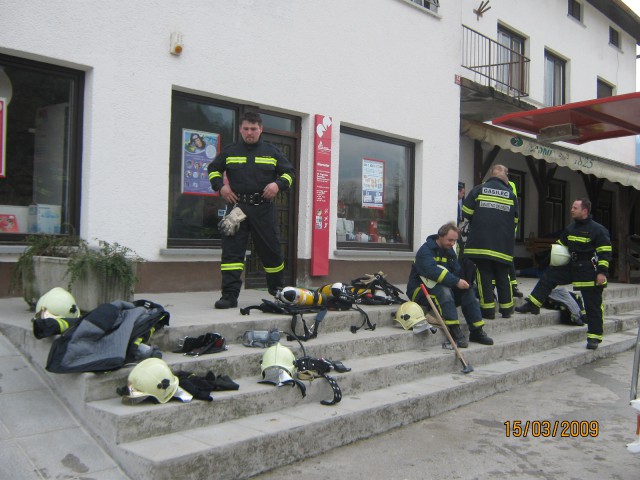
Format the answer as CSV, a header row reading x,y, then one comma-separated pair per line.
x,y
528,307
478,335
228,300
458,336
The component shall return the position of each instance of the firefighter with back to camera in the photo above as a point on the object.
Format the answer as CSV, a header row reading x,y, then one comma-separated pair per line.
x,y
256,172
586,267
492,211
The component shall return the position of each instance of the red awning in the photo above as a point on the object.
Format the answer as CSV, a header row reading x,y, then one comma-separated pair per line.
x,y
580,122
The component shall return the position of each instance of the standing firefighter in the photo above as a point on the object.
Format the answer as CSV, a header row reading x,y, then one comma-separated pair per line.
x,y
586,267
256,171
492,211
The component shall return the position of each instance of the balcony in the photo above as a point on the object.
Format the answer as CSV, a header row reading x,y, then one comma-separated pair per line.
x,y
495,80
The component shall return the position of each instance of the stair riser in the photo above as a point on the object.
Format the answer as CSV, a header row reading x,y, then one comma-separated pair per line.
x,y
169,338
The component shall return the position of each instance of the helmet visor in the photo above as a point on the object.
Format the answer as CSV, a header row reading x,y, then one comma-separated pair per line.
x,y
276,376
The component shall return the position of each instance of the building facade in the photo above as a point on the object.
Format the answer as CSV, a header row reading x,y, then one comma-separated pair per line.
x,y
102,106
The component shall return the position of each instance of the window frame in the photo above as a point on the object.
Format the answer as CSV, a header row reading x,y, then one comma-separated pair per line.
x,y
75,132
556,98
572,6
519,178
431,5
511,74
372,246
601,85
614,37
553,205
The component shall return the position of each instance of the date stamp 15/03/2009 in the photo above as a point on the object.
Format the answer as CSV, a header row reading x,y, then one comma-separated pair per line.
x,y
552,428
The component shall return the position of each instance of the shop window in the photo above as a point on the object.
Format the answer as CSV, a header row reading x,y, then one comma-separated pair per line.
x,y
199,129
40,148
375,185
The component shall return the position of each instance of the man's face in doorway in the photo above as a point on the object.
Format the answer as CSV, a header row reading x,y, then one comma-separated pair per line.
x,y
250,132
578,212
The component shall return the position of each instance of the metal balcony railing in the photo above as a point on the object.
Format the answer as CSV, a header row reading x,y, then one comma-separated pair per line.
x,y
494,64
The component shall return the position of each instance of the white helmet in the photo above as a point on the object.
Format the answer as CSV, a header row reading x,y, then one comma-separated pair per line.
x,y
152,378
58,303
411,316
559,255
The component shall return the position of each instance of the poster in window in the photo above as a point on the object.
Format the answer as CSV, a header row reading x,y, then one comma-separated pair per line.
x,y
3,134
198,151
372,183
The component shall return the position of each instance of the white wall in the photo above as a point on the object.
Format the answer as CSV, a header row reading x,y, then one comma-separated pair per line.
x,y
379,65
546,25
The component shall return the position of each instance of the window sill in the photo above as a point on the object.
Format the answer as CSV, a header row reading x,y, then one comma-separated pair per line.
x,y
192,253
422,9
374,253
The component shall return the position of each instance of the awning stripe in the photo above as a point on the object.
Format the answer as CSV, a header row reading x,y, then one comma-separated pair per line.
x,y
564,157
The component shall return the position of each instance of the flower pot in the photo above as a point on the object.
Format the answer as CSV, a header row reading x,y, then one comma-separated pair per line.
x,y
91,290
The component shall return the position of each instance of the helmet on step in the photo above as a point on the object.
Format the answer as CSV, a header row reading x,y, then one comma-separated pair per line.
x,y
59,303
277,364
152,378
411,316
559,255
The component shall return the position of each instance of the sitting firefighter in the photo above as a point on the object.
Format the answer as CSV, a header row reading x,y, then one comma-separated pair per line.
x,y
437,266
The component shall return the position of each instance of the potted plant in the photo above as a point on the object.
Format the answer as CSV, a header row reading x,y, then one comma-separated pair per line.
x,y
102,275
40,245
92,275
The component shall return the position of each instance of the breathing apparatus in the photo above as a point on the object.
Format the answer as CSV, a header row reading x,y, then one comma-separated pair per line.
x,y
301,296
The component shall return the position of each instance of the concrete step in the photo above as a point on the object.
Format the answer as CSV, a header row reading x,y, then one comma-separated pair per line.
x,y
247,446
336,343
380,367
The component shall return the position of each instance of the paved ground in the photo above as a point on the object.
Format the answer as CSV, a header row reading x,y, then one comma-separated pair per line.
x,y
39,438
471,442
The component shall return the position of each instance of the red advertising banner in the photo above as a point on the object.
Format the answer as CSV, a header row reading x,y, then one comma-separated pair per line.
x,y
321,196
3,135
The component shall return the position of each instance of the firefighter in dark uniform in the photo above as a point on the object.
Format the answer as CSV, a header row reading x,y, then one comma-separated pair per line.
x,y
256,171
590,249
492,211
437,266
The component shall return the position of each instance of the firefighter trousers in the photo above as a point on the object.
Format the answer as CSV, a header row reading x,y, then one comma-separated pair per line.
x,y
592,297
448,299
489,273
262,224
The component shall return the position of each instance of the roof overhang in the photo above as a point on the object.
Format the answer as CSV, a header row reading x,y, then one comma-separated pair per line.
x,y
580,122
565,157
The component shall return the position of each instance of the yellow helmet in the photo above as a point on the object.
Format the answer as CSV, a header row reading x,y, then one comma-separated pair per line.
x,y
277,364
57,302
411,316
151,378
559,255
